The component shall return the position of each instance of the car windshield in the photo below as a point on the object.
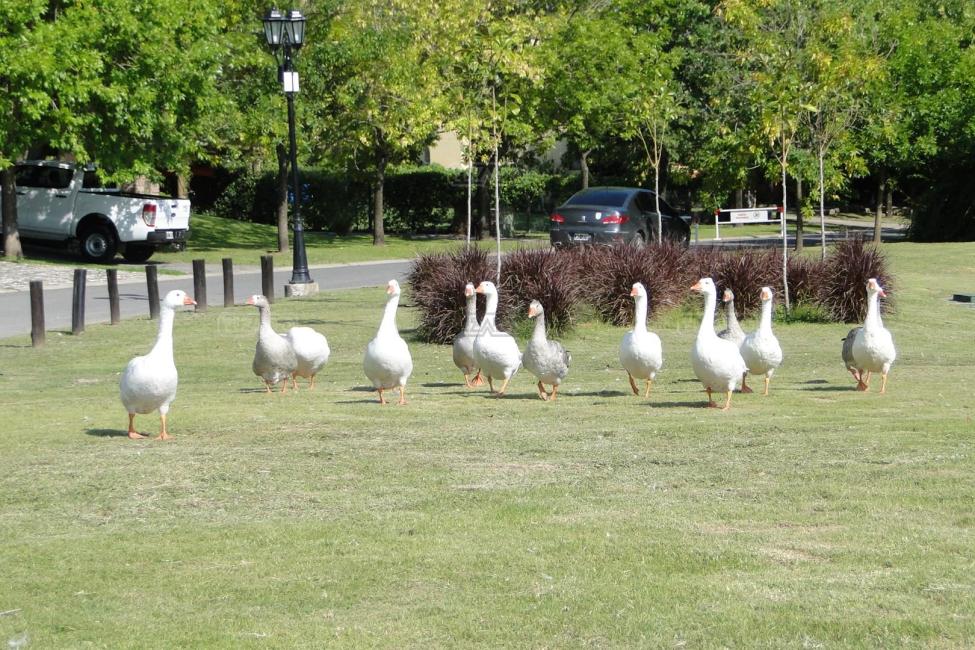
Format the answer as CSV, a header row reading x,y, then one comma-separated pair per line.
x,y
610,197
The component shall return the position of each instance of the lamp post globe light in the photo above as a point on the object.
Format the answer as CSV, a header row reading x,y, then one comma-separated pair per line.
x,y
285,34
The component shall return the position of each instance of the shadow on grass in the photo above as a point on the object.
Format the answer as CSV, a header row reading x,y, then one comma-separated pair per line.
x,y
830,389
107,433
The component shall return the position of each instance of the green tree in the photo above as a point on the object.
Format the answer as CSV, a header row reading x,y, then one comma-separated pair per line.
x,y
375,92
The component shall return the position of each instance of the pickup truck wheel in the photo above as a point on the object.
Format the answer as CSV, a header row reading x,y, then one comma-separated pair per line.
x,y
136,253
98,243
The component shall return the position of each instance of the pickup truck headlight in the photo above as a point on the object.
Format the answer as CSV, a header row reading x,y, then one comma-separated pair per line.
x,y
149,214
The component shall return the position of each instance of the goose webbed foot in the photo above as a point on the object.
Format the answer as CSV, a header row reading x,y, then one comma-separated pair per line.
x,y
133,434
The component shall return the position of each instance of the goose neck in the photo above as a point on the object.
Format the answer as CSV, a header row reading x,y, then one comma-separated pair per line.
x,y
765,323
873,321
707,322
388,323
730,315
539,332
164,337
470,310
640,314
265,328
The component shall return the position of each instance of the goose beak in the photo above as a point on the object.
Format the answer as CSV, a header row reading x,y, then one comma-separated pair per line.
x,y
468,291
882,293
697,286
633,292
188,301
250,301
480,289
531,312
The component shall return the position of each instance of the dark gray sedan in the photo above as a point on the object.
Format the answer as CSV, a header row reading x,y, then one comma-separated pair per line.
x,y
604,215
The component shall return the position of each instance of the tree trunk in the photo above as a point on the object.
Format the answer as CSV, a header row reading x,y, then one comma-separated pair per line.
x,y
799,215
483,201
584,167
282,192
889,211
739,198
785,239
822,207
182,186
378,234
8,196
878,210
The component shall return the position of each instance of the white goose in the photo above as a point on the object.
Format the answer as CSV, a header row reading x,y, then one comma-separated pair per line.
x,y
761,350
387,361
545,359
463,347
873,346
496,352
149,382
274,358
641,353
311,352
717,362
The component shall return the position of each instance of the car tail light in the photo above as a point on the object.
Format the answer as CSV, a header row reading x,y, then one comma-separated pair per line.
x,y
149,214
616,217
557,218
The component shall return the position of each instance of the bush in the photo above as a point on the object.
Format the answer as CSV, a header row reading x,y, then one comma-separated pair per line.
x,y
611,271
546,276
422,199
564,280
438,291
843,281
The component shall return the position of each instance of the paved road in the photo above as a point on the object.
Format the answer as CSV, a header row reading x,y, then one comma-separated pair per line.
x,y
134,301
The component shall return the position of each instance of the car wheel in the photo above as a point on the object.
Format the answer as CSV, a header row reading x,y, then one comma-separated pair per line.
x,y
639,240
98,243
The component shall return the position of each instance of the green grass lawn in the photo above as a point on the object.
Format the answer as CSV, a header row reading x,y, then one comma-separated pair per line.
x,y
816,517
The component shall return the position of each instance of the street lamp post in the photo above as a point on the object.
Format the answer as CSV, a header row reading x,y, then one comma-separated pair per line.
x,y
285,34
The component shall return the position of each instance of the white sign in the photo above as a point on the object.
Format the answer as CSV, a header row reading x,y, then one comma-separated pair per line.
x,y
290,80
748,216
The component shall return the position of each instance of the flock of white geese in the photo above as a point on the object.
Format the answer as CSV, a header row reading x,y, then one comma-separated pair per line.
x,y
722,360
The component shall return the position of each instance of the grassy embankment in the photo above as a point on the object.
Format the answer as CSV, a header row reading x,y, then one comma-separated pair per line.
x,y
816,516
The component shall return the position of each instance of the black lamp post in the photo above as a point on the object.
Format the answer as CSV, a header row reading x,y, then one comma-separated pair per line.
x,y
285,34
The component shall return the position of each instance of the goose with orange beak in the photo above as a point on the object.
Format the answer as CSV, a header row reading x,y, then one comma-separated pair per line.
x,y
717,362
149,382
641,353
873,346
761,350
387,361
496,352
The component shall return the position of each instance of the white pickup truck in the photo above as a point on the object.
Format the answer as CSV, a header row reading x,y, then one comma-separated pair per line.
x,y
60,201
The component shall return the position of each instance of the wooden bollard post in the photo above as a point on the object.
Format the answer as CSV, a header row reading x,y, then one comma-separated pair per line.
x,y
267,277
228,282
36,313
152,283
200,285
113,306
78,301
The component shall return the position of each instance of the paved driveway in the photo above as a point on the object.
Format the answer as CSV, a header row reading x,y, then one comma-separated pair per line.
x,y
133,293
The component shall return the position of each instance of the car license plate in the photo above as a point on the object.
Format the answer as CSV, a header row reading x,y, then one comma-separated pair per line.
x,y
581,236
